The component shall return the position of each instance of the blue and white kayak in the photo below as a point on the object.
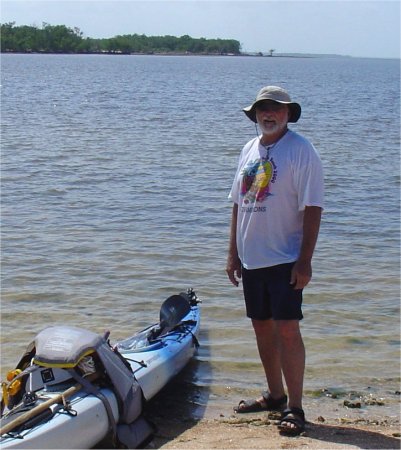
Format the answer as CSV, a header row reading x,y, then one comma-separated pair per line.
x,y
71,389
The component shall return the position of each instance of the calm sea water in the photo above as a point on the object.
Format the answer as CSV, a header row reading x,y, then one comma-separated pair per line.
x,y
115,176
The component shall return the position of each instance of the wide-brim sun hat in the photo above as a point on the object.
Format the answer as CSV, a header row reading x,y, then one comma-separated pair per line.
x,y
278,95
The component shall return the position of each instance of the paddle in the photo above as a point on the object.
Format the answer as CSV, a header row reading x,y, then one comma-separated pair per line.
x,y
172,311
42,407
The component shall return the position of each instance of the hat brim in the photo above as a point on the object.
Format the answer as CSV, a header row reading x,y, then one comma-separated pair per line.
x,y
295,111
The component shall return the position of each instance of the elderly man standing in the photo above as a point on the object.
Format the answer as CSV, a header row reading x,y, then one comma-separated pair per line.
x,y
277,197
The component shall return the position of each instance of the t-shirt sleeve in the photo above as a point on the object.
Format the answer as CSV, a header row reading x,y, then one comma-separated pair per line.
x,y
233,195
234,192
309,179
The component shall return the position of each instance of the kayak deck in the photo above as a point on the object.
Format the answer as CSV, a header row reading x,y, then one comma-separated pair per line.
x,y
157,362
155,355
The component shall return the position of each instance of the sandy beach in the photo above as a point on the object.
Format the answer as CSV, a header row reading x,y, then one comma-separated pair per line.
x,y
329,426
261,433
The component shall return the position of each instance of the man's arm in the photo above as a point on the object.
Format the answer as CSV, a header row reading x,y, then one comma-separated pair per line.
x,y
233,268
302,270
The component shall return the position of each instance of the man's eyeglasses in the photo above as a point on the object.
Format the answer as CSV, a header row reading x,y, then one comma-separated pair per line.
x,y
269,106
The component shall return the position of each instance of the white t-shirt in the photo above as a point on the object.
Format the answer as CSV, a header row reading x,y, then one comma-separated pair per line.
x,y
272,186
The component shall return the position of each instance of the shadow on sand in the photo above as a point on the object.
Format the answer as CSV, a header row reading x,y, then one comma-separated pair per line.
x,y
254,433
181,404
351,436
178,407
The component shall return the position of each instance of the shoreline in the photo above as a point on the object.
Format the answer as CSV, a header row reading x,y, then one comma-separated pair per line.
x,y
242,55
188,422
175,429
262,433
117,53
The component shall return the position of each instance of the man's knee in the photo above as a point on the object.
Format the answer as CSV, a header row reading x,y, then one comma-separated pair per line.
x,y
263,326
288,330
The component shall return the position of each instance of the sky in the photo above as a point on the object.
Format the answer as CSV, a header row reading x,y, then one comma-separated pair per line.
x,y
359,28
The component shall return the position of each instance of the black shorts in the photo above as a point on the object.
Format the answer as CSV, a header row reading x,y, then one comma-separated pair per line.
x,y
269,295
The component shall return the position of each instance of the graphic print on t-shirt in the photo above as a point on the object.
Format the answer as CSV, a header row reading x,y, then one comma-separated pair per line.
x,y
256,179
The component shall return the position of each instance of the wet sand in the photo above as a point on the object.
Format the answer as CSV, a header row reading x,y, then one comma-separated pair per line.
x,y
184,420
329,426
262,433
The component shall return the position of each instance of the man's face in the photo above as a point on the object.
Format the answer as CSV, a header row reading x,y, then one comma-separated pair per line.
x,y
272,117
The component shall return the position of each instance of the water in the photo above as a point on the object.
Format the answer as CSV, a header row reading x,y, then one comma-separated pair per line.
x,y
115,175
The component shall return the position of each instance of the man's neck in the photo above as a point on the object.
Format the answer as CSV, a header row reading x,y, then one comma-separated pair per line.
x,y
272,139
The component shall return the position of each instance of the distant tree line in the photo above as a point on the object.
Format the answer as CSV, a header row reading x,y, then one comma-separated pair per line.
x,y
62,39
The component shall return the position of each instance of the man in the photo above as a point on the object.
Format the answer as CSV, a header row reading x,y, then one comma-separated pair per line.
x,y
278,200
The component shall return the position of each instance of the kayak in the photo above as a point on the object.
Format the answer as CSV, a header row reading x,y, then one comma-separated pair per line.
x,y
72,388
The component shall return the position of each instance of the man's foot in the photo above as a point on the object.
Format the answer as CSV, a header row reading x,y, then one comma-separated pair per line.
x,y
292,421
265,403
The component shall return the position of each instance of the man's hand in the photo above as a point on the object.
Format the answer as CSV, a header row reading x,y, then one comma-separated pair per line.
x,y
301,274
233,270
302,271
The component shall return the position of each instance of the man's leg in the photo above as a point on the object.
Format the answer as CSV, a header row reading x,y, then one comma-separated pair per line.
x,y
292,353
269,351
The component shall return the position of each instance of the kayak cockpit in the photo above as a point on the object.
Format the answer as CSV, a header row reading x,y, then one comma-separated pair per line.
x,y
141,342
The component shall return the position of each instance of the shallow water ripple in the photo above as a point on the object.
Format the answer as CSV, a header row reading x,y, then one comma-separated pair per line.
x,y
115,175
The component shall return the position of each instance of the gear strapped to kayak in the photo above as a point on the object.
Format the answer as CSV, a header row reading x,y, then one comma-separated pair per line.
x,y
68,372
62,353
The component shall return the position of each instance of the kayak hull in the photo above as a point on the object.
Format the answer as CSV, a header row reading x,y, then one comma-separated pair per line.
x,y
64,430
154,367
86,422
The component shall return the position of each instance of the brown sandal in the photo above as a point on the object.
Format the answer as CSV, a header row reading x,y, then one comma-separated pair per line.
x,y
267,404
295,417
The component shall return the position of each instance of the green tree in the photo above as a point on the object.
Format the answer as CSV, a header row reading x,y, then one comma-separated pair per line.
x,y
7,36
62,39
